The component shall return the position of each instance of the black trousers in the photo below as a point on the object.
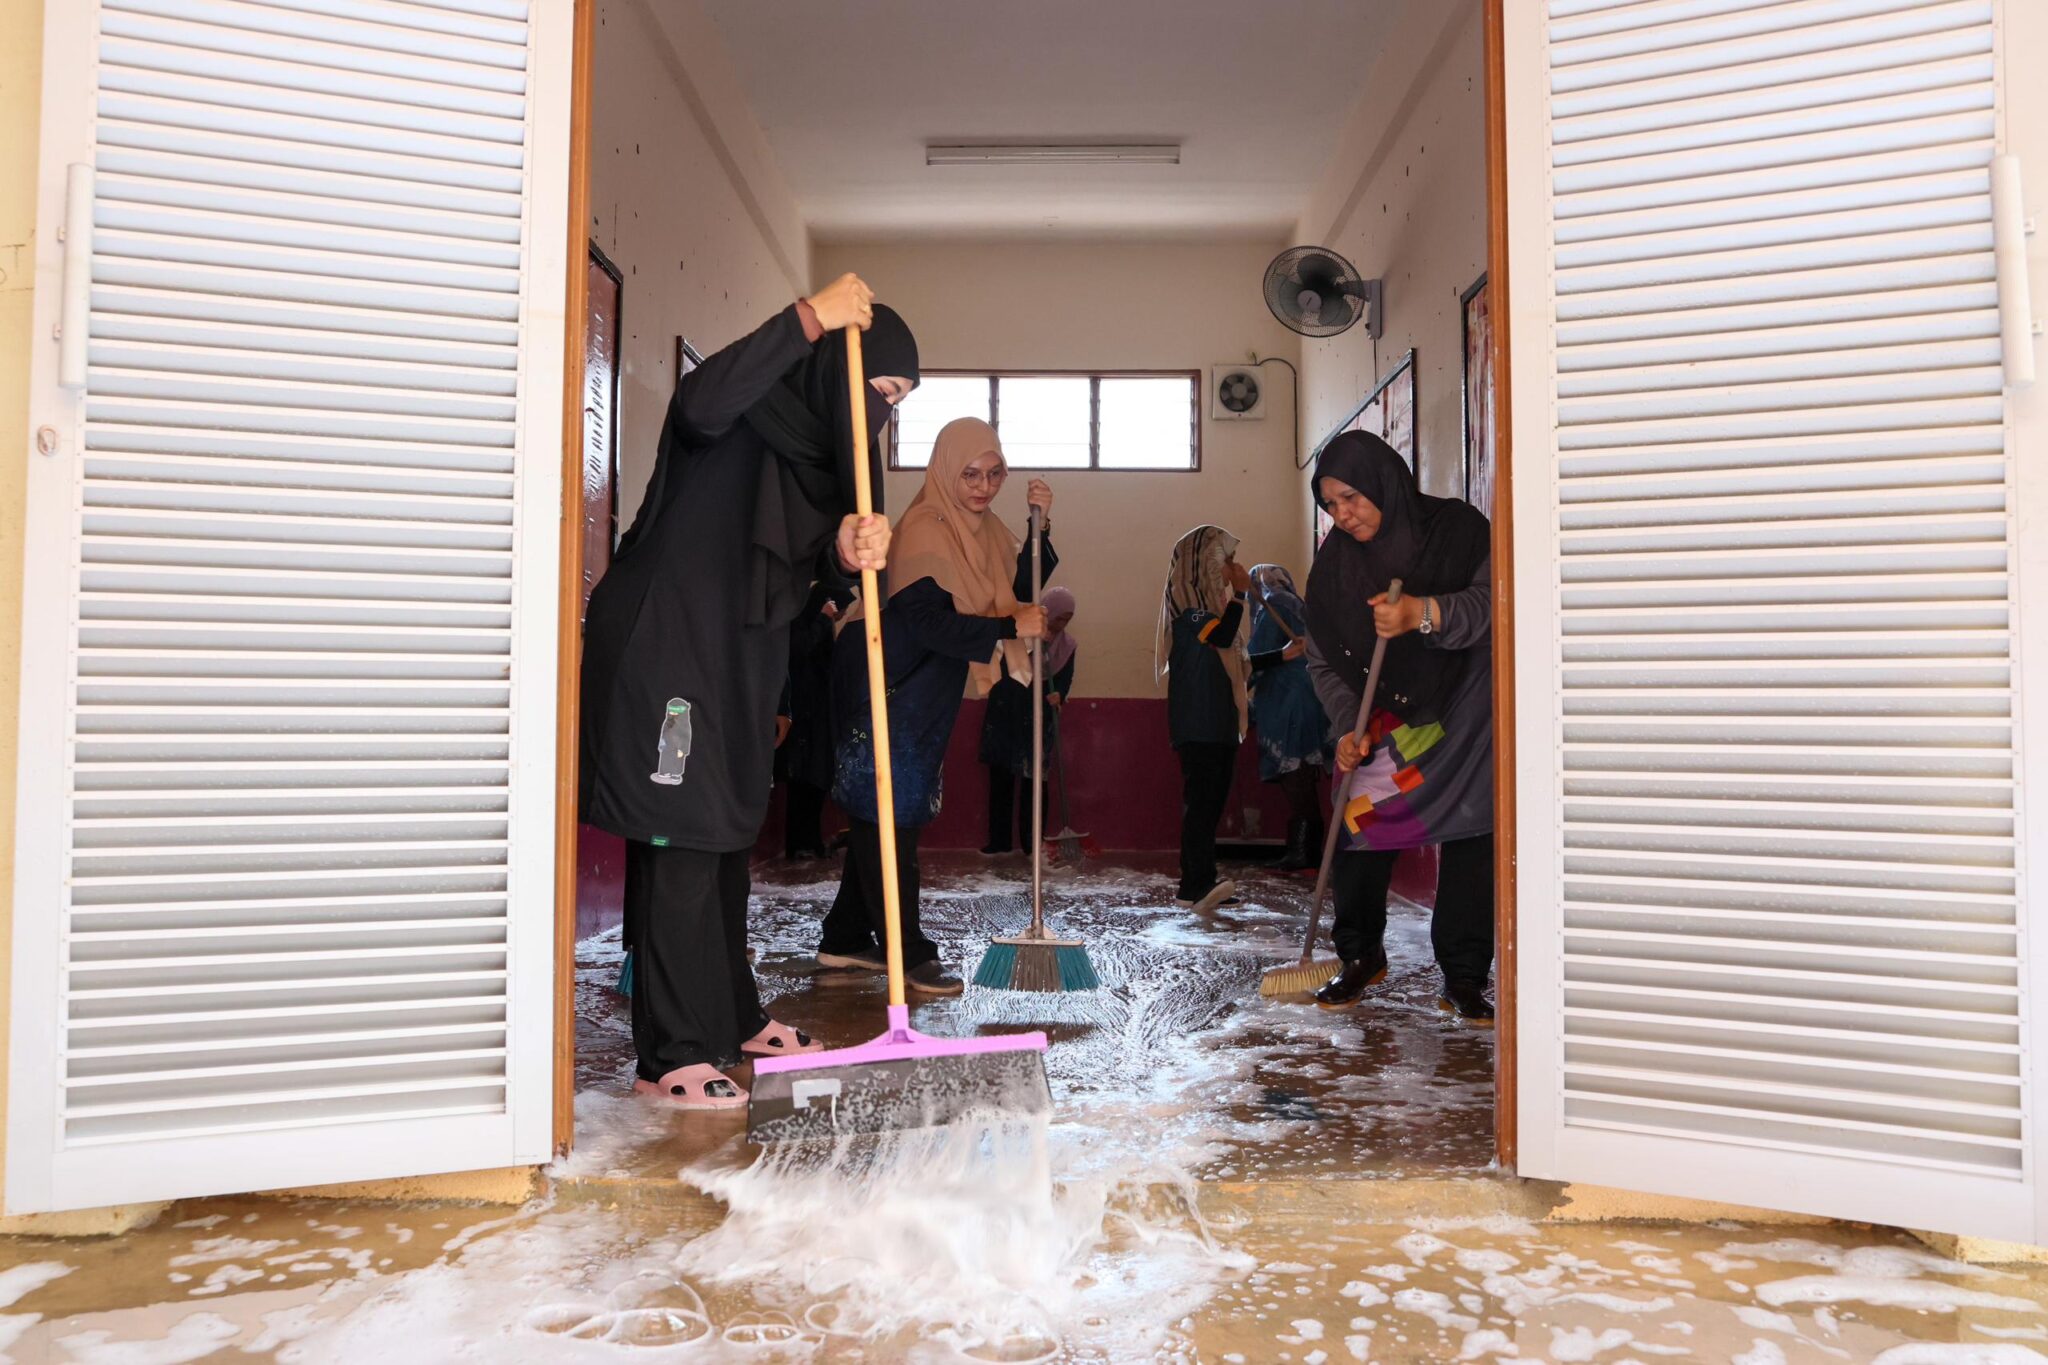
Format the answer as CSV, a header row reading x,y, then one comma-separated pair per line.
x,y
694,998
803,810
1304,792
856,919
1009,809
1461,929
1206,771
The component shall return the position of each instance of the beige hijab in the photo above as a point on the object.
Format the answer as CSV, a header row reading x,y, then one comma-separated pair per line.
x,y
972,555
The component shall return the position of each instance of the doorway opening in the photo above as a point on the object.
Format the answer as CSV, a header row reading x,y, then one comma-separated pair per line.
x,y
779,174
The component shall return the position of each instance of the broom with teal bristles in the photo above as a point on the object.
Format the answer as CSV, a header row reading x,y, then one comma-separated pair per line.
x,y
1034,960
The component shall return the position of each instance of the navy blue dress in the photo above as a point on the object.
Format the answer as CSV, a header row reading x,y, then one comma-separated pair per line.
x,y
926,648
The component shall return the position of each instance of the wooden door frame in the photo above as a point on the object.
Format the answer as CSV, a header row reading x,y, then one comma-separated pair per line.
x,y
1506,1026
610,268
570,644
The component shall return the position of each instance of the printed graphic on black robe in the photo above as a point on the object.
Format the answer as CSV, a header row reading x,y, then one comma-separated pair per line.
x,y
672,750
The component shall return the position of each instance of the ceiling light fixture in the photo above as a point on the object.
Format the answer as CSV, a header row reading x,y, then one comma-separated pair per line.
x,y
1053,154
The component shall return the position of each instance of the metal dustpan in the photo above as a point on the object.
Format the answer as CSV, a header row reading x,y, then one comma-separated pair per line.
x,y
903,1079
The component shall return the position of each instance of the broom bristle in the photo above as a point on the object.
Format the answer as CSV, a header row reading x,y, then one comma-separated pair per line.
x,y
998,964
1298,978
1070,849
1077,973
1036,965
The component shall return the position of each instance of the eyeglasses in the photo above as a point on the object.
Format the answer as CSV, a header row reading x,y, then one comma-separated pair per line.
x,y
990,478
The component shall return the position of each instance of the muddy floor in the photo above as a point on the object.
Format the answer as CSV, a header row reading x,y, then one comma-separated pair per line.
x,y
1208,1190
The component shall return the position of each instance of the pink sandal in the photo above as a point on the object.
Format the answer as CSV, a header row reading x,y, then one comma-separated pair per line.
x,y
694,1087
780,1040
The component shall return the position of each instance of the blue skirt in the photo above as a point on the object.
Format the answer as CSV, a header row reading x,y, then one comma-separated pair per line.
x,y
1289,721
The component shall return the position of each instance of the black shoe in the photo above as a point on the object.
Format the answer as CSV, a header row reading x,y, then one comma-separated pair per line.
x,y
1302,853
811,854
1467,1000
1343,990
932,978
997,851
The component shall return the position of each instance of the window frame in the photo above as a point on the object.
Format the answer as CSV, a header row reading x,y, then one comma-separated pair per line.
x,y
1094,378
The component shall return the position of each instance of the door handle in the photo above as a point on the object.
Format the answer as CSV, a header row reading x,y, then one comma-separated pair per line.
x,y
2009,230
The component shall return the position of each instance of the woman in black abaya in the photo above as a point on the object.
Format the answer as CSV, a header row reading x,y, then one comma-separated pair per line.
x,y
1427,777
686,645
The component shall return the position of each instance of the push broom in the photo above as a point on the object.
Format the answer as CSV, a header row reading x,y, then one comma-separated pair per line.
x,y
1300,978
1034,960
902,1079
1074,847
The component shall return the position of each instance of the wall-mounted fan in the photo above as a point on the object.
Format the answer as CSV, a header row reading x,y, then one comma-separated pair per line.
x,y
1319,294
1236,393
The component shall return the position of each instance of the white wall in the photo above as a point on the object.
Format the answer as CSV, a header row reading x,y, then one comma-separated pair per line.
x,y
1111,305
1405,198
686,200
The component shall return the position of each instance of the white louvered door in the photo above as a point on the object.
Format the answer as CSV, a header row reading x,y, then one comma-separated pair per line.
x,y
1771,875
283,909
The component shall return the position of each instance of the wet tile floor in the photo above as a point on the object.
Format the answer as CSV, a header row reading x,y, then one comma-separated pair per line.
x,y
1178,1033
1183,1206
235,1280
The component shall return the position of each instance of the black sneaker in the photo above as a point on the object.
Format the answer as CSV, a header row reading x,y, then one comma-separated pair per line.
x,y
932,978
1467,1000
1343,990
995,851
861,960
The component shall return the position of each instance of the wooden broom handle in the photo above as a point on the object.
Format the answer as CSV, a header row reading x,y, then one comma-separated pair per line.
x,y
1037,734
878,674
1338,783
1278,619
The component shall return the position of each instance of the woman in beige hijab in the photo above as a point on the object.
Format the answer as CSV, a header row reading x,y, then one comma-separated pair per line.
x,y
959,605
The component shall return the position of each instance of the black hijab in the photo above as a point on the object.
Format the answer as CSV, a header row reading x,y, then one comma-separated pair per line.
x,y
1433,545
807,421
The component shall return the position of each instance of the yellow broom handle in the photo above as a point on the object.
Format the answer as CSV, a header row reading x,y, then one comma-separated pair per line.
x,y
878,674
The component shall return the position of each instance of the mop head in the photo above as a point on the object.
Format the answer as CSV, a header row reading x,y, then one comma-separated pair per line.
x,y
1298,978
901,1080
1036,964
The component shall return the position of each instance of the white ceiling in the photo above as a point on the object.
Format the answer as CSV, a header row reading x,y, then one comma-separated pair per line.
x,y
849,94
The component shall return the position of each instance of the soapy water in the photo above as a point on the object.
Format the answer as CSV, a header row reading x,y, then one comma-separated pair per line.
x,y
1126,1274
975,1236
985,1236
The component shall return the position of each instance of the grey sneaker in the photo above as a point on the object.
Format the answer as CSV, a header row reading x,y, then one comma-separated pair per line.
x,y
932,978
1221,896
866,960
